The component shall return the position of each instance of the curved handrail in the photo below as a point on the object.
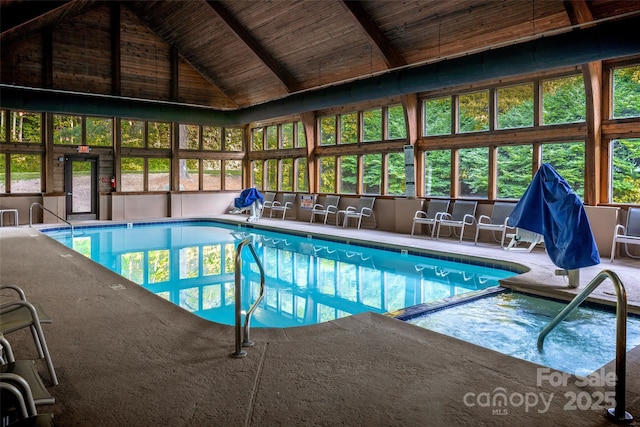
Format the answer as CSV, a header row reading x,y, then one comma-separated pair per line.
x,y
246,342
618,413
45,209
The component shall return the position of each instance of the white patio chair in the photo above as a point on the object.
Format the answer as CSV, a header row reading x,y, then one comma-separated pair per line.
x,y
364,209
269,197
521,235
431,217
497,222
330,207
288,201
463,215
627,235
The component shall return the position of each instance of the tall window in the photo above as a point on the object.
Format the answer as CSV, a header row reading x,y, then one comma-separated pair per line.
x,y
348,176
211,174
372,125
437,116
233,174
625,171
67,129
397,124
563,100
328,130
626,92
437,173
25,173
372,173
514,170
515,106
132,173
474,172
396,182
327,174
474,112
349,128
24,127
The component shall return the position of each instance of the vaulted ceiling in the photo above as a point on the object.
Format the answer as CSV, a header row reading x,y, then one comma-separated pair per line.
x,y
252,52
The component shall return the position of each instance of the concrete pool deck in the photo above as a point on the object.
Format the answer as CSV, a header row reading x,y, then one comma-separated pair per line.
x,y
125,357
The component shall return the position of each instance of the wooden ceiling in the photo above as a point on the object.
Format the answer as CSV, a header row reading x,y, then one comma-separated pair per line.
x,y
251,52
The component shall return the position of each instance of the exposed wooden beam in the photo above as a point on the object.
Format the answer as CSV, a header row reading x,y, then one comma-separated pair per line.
x,y
596,181
290,83
389,53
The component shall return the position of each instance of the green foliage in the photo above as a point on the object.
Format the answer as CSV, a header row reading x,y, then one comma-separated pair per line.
x,y
626,92
626,171
564,100
396,122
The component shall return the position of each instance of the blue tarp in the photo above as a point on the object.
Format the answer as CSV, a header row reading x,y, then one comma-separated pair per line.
x,y
247,197
549,207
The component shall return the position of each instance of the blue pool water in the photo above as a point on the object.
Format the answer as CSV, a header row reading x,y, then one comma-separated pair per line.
x,y
511,322
308,280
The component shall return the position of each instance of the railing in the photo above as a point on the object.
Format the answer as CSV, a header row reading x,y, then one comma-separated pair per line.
x,y
45,209
242,339
618,414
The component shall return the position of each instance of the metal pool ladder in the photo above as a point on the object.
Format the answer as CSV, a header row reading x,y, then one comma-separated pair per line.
x,y
45,209
242,339
617,414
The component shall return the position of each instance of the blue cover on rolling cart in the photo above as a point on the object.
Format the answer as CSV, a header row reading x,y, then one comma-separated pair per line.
x,y
549,207
247,197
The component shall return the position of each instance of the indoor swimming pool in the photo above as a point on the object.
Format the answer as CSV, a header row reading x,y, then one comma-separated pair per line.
x,y
510,323
308,279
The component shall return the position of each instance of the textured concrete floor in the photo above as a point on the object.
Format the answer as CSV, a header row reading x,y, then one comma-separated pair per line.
x,y
125,357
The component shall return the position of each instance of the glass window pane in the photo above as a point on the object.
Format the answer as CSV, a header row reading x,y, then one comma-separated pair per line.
x,y
189,137
67,129
372,125
26,173
232,175
159,135
302,175
233,140
474,172
301,140
257,139
99,131
287,135
563,100
132,174
474,111
349,128
132,133
272,175
568,160
189,174
257,168
626,171
286,174
437,120
3,169
211,175
25,127
437,173
212,138
348,174
3,126
396,182
515,106
159,174
514,170
372,173
396,122
328,131
272,137
328,174
626,92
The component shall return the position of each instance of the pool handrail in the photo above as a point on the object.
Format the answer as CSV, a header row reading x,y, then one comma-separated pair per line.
x,y
618,414
242,339
45,209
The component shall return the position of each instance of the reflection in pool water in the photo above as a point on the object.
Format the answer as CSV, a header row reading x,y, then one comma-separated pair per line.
x,y
308,280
